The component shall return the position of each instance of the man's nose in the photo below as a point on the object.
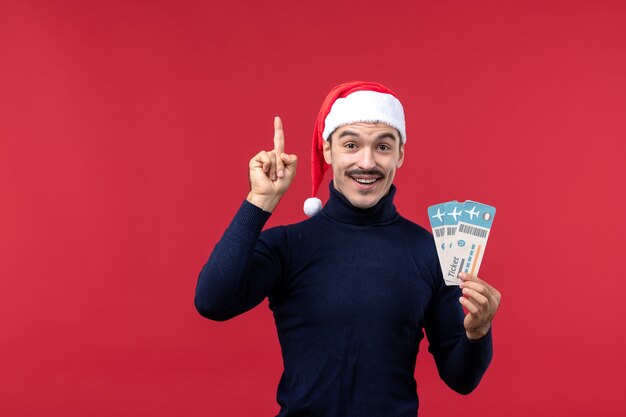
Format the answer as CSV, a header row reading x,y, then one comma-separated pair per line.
x,y
367,159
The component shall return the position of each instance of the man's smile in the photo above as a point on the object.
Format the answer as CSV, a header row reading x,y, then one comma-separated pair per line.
x,y
365,179
365,182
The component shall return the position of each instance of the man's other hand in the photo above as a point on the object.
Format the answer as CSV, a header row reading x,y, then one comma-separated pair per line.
x,y
481,301
271,172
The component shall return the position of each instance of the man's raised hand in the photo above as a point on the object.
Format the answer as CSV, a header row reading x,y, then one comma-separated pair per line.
x,y
271,172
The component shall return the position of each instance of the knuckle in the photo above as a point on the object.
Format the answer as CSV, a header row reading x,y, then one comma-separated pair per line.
x,y
478,288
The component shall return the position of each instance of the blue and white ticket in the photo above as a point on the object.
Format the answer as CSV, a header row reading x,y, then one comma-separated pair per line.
x,y
461,231
454,209
437,214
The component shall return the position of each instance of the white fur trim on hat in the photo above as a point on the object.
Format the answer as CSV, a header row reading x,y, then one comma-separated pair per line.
x,y
368,107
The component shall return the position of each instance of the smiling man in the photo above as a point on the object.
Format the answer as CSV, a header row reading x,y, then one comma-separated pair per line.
x,y
354,287
364,158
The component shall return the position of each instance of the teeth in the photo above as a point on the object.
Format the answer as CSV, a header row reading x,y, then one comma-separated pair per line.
x,y
364,181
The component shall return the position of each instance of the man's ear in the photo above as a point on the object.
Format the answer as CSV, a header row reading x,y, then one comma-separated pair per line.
x,y
327,153
401,159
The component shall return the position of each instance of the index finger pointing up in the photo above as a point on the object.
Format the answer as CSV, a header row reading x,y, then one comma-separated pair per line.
x,y
279,136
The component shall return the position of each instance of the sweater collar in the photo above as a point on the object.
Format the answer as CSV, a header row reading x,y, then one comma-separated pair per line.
x,y
340,209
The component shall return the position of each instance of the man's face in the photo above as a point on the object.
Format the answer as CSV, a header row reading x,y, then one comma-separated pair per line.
x,y
364,158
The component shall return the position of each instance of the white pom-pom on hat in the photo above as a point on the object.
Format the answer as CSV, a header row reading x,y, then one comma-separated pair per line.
x,y
373,103
312,206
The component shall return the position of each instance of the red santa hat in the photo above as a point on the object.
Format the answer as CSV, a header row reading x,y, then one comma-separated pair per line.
x,y
353,102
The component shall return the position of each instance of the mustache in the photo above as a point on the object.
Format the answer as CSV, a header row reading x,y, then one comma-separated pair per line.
x,y
372,172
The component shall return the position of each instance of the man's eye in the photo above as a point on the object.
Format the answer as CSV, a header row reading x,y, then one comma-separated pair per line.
x,y
384,147
350,145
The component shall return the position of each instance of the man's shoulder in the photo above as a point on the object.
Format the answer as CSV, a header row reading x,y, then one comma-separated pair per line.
x,y
305,225
313,226
318,221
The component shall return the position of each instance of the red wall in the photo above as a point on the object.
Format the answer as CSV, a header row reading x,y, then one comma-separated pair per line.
x,y
125,132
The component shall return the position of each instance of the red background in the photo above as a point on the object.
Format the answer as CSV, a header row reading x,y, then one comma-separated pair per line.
x,y
125,132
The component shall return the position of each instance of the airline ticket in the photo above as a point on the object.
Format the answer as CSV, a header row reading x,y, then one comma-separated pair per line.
x,y
461,231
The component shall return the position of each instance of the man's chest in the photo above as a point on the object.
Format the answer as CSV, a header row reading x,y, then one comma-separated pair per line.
x,y
364,286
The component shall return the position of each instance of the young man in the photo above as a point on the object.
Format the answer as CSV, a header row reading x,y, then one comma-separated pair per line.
x,y
352,287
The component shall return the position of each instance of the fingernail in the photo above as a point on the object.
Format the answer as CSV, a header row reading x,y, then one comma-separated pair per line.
x,y
462,275
280,173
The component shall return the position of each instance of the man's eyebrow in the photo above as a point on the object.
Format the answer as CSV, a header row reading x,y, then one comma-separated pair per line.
x,y
348,133
386,135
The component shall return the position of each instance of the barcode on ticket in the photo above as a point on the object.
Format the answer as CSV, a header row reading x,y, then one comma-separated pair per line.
x,y
472,230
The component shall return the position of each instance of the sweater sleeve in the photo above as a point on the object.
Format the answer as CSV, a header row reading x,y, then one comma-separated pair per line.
x,y
242,269
461,362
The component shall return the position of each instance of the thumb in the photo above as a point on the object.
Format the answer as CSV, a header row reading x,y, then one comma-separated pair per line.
x,y
289,160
